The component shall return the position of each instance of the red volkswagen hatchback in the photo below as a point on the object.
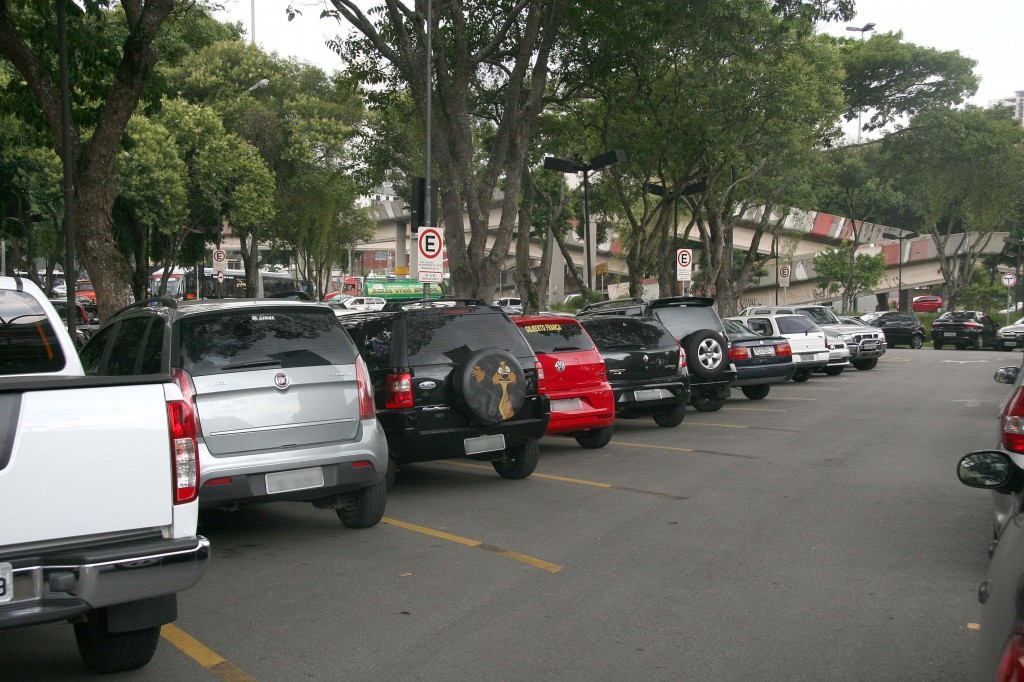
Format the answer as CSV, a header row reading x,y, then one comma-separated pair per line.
x,y
574,377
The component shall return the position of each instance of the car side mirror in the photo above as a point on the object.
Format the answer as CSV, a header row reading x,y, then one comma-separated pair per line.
x,y
985,469
1006,375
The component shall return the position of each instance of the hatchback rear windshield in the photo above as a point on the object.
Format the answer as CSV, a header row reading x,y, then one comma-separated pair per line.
x,y
628,333
683,321
958,316
444,336
797,324
28,343
262,339
556,337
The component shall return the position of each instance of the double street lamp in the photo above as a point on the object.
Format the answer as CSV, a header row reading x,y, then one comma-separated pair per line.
x,y
574,166
903,234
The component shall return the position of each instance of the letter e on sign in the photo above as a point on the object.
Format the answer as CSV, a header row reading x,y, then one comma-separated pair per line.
x,y
430,253
684,265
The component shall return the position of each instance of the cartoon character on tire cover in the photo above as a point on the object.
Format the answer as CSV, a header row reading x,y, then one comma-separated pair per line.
x,y
503,376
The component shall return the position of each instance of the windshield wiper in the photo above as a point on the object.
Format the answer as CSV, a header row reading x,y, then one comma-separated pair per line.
x,y
253,363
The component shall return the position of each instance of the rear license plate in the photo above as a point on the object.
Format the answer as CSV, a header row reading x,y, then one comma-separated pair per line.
x,y
566,405
484,444
949,334
651,394
764,350
300,479
808,357
835,356
6,582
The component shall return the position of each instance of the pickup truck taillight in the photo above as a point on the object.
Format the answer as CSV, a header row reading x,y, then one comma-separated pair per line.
x,y
366,408
1012,420
184,451
784,349
398,391
183,380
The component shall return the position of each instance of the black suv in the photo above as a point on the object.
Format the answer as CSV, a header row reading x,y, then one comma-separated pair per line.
x,y
699,330
646,367
453,377
899,328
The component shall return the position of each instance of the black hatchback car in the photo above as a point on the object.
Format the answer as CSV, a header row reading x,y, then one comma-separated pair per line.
x,y
453,377
965,329
646,367
900,329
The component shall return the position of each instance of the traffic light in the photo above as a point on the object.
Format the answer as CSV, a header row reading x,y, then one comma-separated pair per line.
x,y
417,209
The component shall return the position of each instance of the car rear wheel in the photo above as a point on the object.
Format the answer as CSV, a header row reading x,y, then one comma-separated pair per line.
x,y
756,392
671,417
366,508
707,403
936,345
865,364
802,375
518,462
833,371
595,438
705,352
109,652
916,341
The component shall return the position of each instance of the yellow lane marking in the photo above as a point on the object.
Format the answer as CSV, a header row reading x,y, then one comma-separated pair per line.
x,y
606,486
204,656
974,626
654,447
723,426
523,558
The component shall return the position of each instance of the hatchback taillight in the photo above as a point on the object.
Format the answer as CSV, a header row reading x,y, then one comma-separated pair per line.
x,y
971,324
1013,422
739,353
541,384
783,349
184,450
1011,663
366,408
398,391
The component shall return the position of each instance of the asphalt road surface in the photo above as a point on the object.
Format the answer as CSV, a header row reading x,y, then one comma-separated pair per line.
x,y
820,533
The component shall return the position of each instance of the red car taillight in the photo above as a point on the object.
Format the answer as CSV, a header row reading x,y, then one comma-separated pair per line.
x,y
366,408
682,359
739,353
541,384
1011,663
971,324
1012,420
398,391
184,450
784,350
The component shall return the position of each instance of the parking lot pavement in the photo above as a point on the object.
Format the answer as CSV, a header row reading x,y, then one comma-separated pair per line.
x,y
818,533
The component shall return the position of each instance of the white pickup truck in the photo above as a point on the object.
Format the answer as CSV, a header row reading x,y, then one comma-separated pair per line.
x,y
98,491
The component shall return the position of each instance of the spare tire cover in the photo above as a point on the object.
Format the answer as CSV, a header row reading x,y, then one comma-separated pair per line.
x,y
490,386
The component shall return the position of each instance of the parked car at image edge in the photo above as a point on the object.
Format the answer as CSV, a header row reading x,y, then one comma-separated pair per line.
x,y
575,378
282,398
760,360
453,377
965,329
900,329
1011,336
646,367
927,304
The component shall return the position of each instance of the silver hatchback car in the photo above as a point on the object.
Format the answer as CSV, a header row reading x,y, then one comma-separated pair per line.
x,y
283,399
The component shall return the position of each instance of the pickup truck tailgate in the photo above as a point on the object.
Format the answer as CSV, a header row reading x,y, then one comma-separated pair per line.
x,y
82,462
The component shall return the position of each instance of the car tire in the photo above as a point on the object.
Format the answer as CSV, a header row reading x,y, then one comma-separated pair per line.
x,y
865,365
916,341
519,462
802,375
707,403
833,371
706,353
595,438
477,391
110,652
673,416
936,345
939,309
368,506
756,392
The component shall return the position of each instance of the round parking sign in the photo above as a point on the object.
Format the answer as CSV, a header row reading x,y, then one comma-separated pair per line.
x,y
684,257
1008,279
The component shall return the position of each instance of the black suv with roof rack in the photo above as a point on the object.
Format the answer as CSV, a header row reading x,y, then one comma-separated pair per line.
x,y
695,324
453,377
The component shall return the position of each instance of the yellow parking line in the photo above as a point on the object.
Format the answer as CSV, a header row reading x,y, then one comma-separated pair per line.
x,y
654,447
523,558
974,626
722,426
606,486
204,656
754,409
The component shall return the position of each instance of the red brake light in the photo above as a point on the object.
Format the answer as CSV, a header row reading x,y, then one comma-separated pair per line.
x,y
682,359
398,391
184,450
971,324
738,353
783,349
1013,423
541,383
1011,663
366,408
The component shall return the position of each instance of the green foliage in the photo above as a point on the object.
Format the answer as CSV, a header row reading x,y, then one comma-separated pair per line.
x,y
833,268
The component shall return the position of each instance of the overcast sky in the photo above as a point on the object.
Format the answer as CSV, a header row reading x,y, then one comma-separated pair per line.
x,y
988,31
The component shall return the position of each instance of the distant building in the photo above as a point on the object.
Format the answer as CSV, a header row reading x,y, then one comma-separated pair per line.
x,y
1017,102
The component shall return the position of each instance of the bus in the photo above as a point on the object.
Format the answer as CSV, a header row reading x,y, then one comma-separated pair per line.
x,y
181,283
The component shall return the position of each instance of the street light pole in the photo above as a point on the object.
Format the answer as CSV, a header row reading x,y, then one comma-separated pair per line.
x,y
903,234
861,30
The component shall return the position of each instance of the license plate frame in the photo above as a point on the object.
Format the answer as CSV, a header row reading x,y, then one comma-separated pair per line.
x,y
6,582
296,479
648,394
763,350
479,444
566,405
949,333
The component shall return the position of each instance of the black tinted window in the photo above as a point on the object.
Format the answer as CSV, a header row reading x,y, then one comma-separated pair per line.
x,y
127,346
260,339
684,321
27,340
797,324
626,333
92,354
556,336
375,343
449,335
153,352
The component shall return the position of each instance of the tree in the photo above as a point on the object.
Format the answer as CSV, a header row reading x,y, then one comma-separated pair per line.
x,y
833,268
962,172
